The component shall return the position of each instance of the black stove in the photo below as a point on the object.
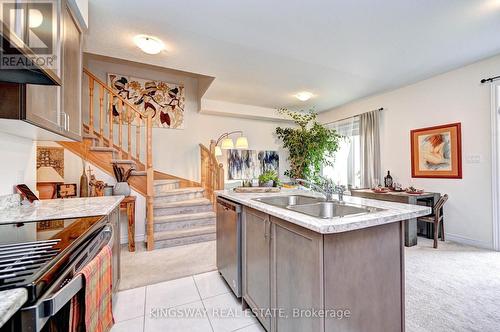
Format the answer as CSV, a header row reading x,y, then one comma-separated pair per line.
x,y
44,257
34,254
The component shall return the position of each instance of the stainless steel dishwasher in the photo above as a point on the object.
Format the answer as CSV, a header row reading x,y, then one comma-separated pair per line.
x,y
229,243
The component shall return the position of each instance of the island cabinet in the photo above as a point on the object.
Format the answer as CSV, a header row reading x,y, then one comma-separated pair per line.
x,y
296,279
257,263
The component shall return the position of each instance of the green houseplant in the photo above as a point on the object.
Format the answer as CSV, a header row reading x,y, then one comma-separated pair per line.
x,y
269,179
310,145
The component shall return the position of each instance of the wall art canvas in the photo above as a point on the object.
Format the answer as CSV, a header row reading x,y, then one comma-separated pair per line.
x,y
165,100
50,157
436,152
249,164
269,161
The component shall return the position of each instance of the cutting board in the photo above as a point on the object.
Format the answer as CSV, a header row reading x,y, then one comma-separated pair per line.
x,y
257,190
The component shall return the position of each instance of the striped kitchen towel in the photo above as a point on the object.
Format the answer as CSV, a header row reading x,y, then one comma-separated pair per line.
x,y
98,277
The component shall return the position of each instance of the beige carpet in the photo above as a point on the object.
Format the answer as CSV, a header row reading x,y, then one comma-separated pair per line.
x,y
143,267
454,288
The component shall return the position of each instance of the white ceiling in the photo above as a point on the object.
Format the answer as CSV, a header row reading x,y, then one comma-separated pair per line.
x,y
264,51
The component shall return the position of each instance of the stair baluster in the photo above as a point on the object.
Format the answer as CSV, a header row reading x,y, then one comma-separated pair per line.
x,y
138,138
101,116
150,177
126,112
110,121
91,105
120,129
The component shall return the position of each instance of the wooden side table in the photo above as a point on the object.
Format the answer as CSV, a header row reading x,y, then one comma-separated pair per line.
x,y
129,204
402,197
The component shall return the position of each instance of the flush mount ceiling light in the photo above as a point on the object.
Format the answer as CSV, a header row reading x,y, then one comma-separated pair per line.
x,y
148,44
304,95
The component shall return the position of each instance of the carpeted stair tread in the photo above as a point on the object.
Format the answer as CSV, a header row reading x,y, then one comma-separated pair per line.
x,y
181,233
102,149
189,202
180,191
122,161
184,217
88,136
166,181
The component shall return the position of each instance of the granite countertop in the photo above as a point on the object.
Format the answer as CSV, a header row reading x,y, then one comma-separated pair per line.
x,y
10,301
391,212
60,209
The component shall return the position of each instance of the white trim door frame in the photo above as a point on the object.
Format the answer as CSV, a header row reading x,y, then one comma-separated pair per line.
x,y
495,162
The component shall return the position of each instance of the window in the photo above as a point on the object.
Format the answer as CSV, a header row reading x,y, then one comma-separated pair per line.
x,y
346,169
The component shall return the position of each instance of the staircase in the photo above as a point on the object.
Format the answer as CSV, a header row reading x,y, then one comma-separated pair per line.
x,y
178,211
181,215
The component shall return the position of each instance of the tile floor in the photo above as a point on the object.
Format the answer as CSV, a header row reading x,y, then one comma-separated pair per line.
x,y
159,307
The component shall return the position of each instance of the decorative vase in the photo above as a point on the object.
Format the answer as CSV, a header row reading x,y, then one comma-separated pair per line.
x,y
269,183
121,189
84,184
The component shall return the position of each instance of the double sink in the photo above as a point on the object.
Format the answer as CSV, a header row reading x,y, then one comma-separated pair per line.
x,y
317,207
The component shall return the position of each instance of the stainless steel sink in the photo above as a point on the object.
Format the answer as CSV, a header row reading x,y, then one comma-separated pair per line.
x,y
317,207
329,210
292,200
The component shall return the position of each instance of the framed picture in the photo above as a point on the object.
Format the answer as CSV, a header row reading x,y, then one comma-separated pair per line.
x,y
436,152
66,190
49,225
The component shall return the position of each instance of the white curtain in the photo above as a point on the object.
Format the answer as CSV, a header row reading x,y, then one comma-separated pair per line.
x,y
346,163
369,130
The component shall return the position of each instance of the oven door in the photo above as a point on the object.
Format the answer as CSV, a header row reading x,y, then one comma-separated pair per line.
x,y
34,317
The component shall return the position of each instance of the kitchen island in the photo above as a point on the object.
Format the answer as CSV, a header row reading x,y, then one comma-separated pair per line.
x,y
305,273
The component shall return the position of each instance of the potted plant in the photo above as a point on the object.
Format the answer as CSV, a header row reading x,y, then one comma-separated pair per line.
x,y
269,179
310,145
122,176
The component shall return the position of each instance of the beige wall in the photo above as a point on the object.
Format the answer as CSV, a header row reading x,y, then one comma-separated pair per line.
x,y
455,96
176,151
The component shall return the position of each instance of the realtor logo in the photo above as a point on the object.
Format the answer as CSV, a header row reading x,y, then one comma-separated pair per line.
x,y
29,27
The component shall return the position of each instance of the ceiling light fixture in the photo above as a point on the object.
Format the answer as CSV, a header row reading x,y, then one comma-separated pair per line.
x,y
227,143
148,44
304,95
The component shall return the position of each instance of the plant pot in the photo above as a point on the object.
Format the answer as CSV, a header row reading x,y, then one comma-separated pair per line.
x,y
121,189
269,183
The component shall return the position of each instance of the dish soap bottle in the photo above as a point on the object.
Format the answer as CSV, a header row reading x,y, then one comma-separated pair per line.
x,y
388,180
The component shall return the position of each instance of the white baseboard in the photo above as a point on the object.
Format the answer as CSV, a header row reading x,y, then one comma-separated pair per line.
x,y
468,241
138,238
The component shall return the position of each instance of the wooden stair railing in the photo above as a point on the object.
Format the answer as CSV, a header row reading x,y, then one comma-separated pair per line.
x,y
212,173
127,112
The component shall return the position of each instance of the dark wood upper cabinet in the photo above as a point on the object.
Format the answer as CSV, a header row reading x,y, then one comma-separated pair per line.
x,y
55,111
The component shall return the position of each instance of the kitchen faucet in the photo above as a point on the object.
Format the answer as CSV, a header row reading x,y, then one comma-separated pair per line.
x,y
327,188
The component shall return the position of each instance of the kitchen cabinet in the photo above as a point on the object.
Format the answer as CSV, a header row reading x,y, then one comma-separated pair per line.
x,y
305,281
71,73
256,264
297,275
55,111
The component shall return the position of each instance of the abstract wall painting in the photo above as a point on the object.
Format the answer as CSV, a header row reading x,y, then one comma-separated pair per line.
x,y
436,152
269,161
249,164
165,100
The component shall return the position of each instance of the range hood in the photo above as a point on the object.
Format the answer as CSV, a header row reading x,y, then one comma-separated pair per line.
x,y
26,71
